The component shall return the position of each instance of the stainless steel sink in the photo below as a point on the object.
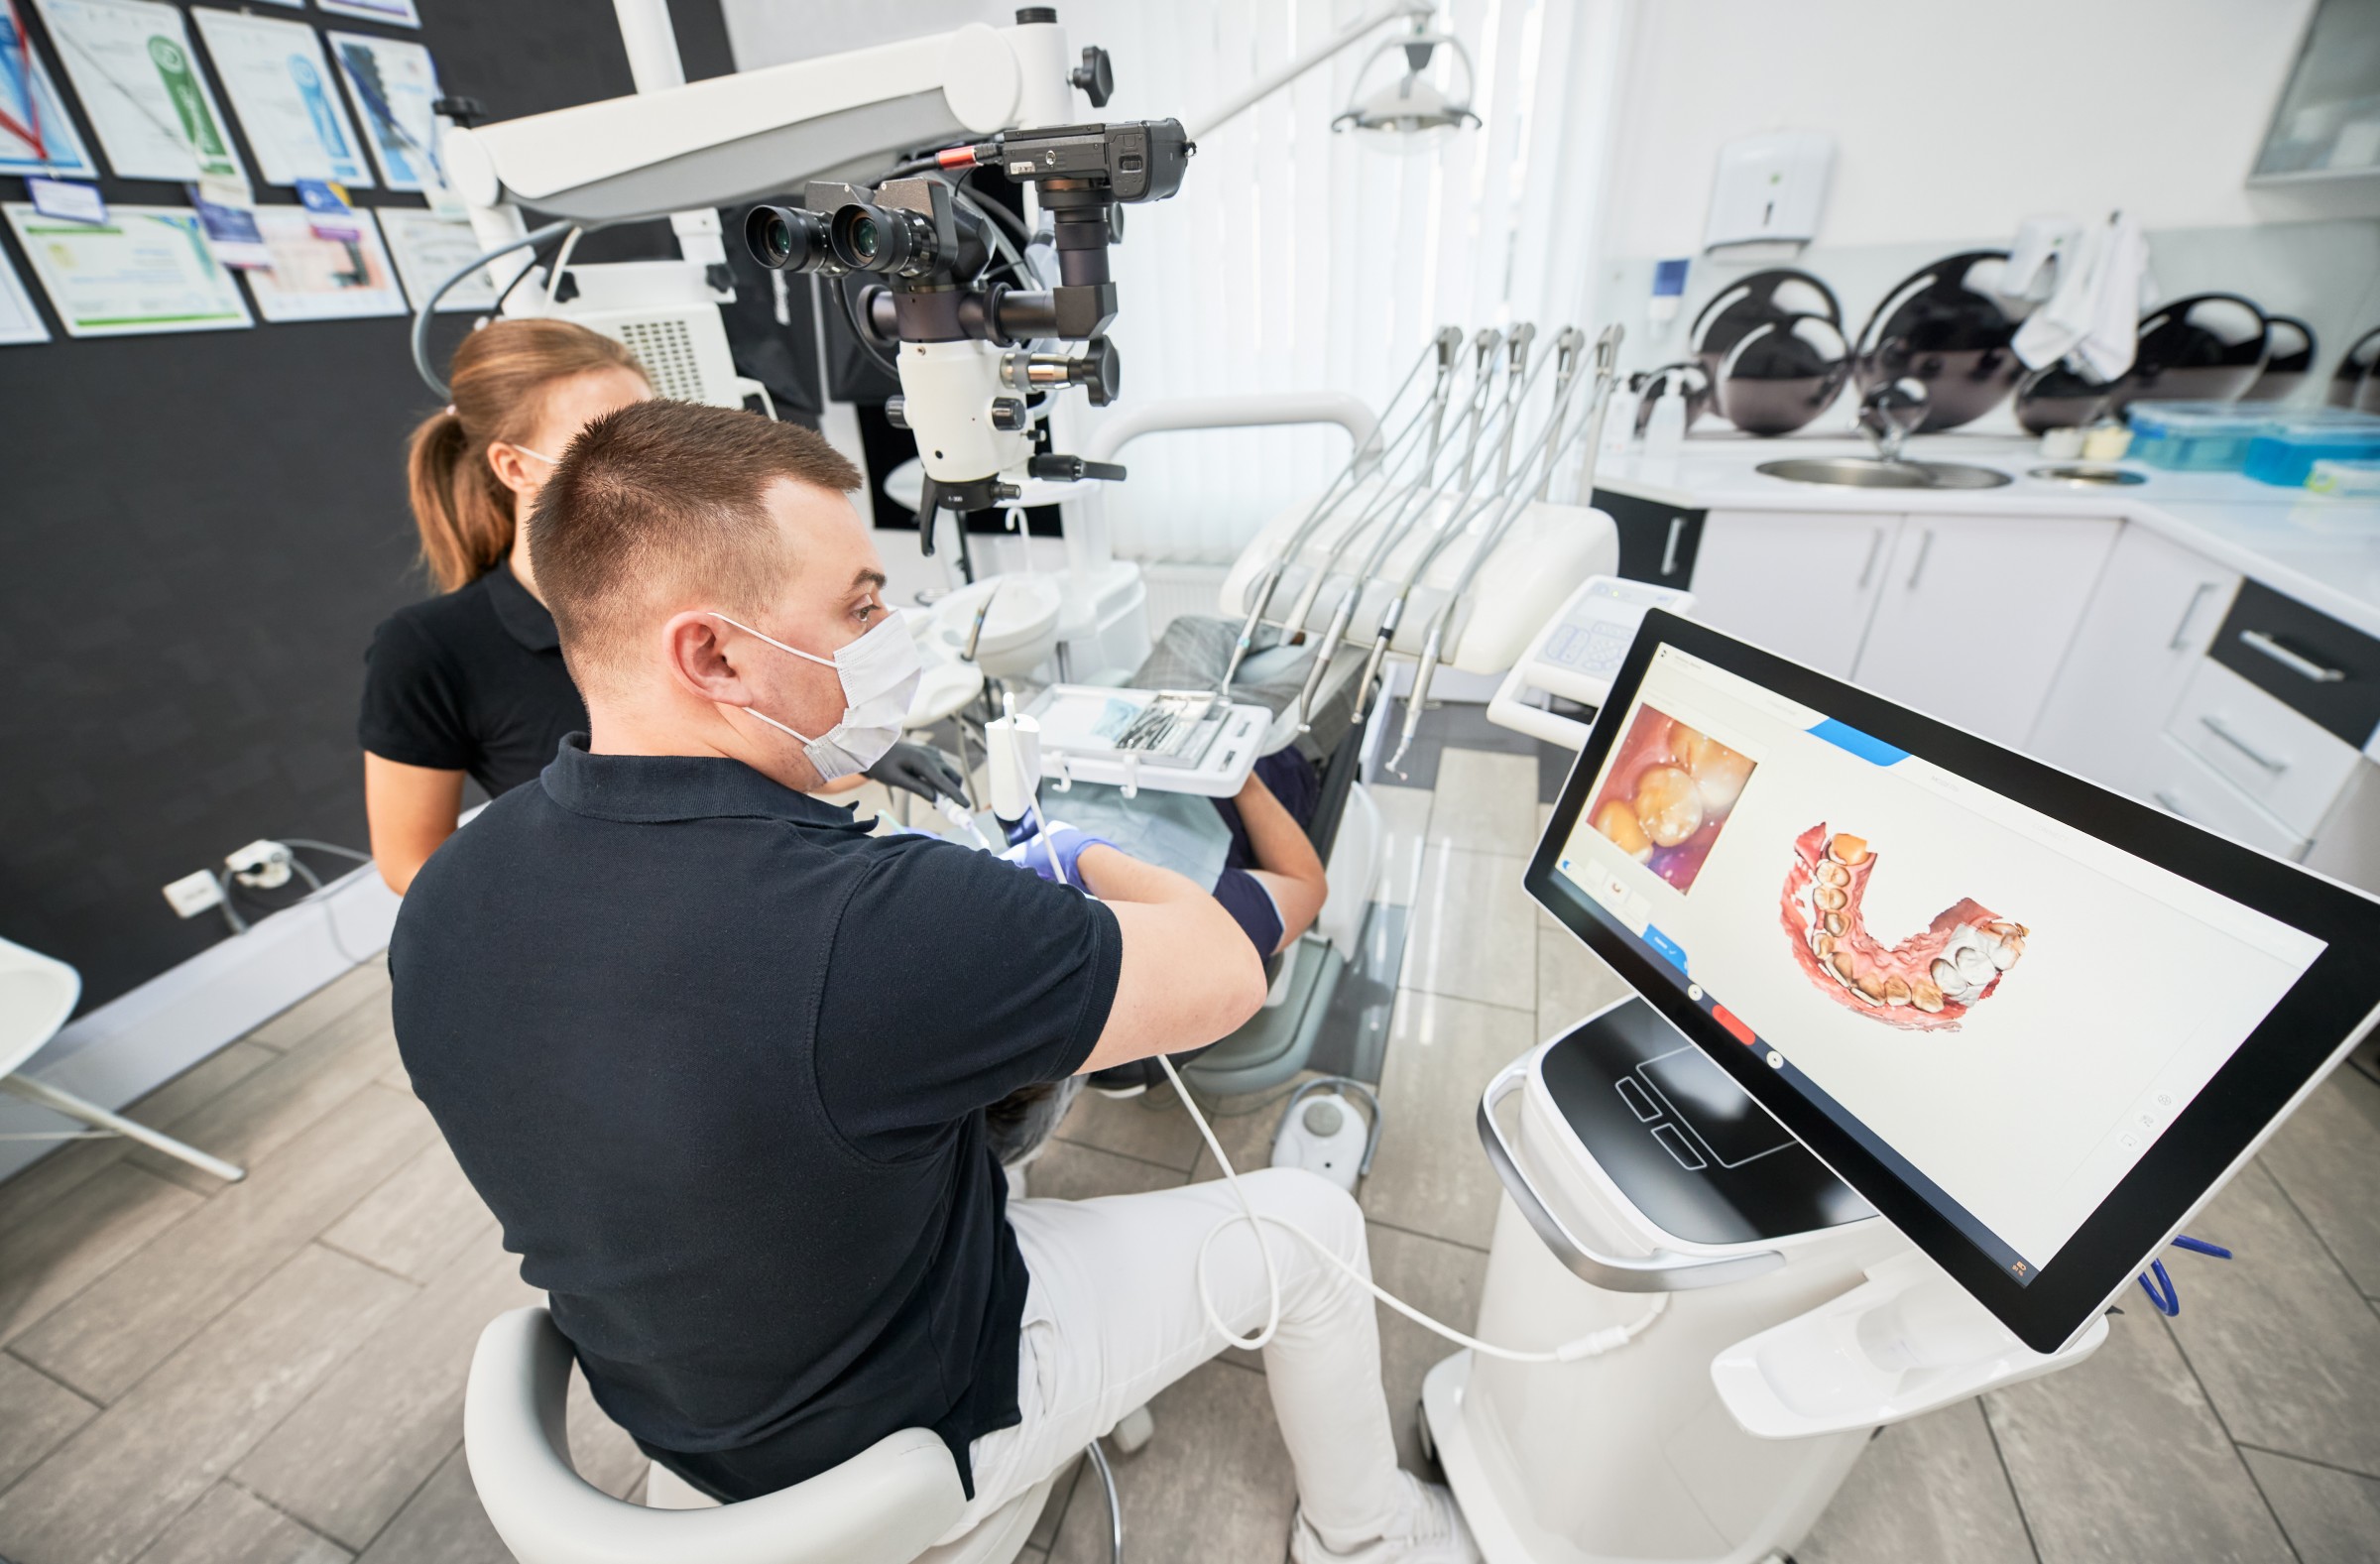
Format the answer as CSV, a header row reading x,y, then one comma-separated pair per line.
x,y
1869,472
2086,475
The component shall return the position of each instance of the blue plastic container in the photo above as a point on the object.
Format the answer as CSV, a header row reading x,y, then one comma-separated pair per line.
x,y
2196,437
2286,454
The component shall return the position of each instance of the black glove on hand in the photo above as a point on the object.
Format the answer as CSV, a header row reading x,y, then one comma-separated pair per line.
x,y
920,769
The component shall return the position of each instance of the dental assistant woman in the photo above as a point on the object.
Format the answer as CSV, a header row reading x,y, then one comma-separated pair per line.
x,y
471,682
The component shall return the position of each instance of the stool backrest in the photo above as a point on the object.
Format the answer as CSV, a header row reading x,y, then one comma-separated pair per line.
x,y
37,995
883,1505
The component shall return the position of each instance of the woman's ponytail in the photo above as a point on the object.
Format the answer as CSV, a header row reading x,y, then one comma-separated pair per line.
x,y
500,378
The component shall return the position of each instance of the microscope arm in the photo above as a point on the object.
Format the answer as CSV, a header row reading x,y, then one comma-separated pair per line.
x,y
755,133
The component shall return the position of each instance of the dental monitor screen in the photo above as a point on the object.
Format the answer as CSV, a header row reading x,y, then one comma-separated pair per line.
x,y
2031,1021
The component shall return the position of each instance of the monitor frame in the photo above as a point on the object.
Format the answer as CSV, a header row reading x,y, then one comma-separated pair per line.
x,y
2330,1009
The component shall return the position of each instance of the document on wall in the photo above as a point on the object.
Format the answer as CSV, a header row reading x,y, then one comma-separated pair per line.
x,y
147,269
281,88
20,322
394,85
141,85
36,136
319,278
429,249
397,13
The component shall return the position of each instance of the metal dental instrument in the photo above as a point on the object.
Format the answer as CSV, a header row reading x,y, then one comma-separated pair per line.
x,y
1606,357
1364,461
1520,379
1417,503
1460,519
1392,495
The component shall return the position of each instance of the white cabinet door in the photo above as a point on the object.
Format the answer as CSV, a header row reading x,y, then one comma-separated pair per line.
x,y
1800,583
2142,635
1976,615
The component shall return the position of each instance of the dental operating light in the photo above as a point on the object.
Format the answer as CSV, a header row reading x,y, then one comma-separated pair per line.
x,y
1411,114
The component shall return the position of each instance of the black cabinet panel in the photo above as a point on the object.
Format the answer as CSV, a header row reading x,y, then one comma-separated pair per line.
x,y
2304,657
1658,542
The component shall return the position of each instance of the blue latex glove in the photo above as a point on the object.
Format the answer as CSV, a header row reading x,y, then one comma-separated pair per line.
x,y
1063,842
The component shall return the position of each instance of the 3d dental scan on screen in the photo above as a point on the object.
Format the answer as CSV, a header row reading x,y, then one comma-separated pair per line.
x,y
1663,849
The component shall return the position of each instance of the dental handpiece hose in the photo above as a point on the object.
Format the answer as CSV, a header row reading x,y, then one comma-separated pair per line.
x,y
1416,508
1368,458
1606,357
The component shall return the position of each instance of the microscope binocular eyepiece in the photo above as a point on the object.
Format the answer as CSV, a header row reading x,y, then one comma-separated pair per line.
x,y
858,236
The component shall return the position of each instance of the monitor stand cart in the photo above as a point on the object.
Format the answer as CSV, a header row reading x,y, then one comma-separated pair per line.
x,y
1636,1168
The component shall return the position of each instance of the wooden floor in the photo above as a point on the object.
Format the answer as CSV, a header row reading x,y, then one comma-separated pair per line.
x,y
272,1371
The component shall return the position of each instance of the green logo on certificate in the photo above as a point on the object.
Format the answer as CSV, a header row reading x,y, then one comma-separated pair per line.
x,y
197,125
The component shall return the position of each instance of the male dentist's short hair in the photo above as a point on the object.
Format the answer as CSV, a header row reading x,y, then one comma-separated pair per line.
x,y
660,502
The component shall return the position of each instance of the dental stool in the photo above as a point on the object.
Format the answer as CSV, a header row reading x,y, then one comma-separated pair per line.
x,y
884,1506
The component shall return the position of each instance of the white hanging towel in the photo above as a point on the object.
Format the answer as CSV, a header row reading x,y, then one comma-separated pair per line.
x,y
2046,249
2095,314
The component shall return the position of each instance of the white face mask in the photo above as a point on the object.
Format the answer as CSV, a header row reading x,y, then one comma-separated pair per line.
x,y
880,672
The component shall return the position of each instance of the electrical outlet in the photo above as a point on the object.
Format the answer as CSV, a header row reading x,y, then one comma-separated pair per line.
x,y
263,864
194,893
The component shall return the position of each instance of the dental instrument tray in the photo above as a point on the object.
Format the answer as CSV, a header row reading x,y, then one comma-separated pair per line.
x,y
1169,740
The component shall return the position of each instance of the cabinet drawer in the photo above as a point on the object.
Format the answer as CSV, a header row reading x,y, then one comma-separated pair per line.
x,y
2283,760
2179,782
2310,661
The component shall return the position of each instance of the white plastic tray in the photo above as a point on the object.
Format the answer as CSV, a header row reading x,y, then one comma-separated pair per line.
x,y
1219,772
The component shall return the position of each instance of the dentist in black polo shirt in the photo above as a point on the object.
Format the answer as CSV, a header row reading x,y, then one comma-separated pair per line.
x,y
718,1058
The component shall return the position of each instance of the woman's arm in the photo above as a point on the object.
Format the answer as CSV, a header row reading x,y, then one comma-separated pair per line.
x,y
410,810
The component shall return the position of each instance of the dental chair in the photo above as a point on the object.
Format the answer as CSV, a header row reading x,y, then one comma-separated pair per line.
x,y
884,1506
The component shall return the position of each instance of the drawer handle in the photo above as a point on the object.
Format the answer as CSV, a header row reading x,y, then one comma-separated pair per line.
x,y
2303,667
1668,549
1925,547
2171,803
2181,630
2222,730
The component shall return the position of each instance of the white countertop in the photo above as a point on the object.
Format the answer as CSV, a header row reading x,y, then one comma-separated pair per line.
x,y
2321,551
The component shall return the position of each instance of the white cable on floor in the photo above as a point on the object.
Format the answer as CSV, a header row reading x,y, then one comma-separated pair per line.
x,y
1588,1346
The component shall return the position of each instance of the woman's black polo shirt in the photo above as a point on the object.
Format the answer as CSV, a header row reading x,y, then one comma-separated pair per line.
x,y
471,681
718,1060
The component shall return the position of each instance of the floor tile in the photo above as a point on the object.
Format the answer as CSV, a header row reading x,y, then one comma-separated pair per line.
x,y
304,1020
131,1319
1244,1128
1474,932
115,1486
2288,1348
1442,1280
1429,1175
50,1254
2332,1516
2120,1459
1405,812
1151,1126
1067,1171
443,1524
376,1428
1053,1510
1931,1488
272,1107
37,1415
418,1220
1485,801
1571,981
230,1526
2328,1159
1214,1485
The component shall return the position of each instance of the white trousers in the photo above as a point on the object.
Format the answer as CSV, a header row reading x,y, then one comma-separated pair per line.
x,y
1113,1317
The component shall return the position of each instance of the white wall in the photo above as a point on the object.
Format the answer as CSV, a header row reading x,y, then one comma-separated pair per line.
x,y
1954,118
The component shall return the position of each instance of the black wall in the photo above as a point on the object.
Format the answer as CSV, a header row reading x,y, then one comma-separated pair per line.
x,y
199,534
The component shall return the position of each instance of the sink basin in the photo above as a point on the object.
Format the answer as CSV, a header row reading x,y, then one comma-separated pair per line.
x,y
2085,475
1866,472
